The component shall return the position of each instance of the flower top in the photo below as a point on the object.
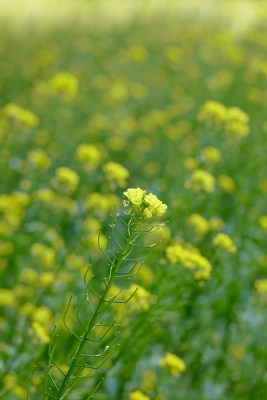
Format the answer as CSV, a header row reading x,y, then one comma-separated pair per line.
x,y
175,364
135,196
224,242
147,204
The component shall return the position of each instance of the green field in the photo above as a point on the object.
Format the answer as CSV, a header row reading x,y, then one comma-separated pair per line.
x,y
97,98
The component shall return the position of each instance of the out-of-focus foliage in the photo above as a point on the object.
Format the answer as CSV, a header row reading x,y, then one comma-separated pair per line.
x,y
176,106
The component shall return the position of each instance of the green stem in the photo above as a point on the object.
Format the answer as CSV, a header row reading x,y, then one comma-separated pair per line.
x,y
65,387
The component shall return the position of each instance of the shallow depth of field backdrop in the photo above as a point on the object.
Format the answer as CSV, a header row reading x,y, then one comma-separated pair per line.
x,y
100,96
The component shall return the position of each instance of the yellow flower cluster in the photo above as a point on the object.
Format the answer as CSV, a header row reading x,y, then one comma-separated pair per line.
x,y
199,224
41,318
25,117
44,255
213,112
12,208
102,203
211,155
223,241
88,154
226,183
65,180
146,204
189,257
174,364
54,200
263,222
138,395
232,119
149,380
39,158
142,299
116,173
7,298
201,180
10,382
65,84
261,286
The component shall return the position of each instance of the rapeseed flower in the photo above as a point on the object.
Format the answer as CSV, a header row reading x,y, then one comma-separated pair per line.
x,y
116,173
39,158
138,395
190,258
263,222
88,154
201,180
224,241
174,364
65,84
147,204
65,179
211,155
199,224
261,286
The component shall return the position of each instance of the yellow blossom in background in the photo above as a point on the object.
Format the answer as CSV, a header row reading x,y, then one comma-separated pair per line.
x,y
142,299
138,395
118,92
6,248
54,200
211,155
235,114
29,276
263,183
80,264
139,53
116,143
116,173
102,203
224,241
261,286
25,117
263,222
238,351
65,84
46,278
233,120
39,158
65,179
12,208
226,183
7,298
88,154
146,275
190,163
190,258
173,363
199,224
160,397
149,380
10,381
44,255
40,332
216,224
213,112
201,180
54,238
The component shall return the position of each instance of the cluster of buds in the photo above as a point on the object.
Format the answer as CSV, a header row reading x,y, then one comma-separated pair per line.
x,y
147,205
